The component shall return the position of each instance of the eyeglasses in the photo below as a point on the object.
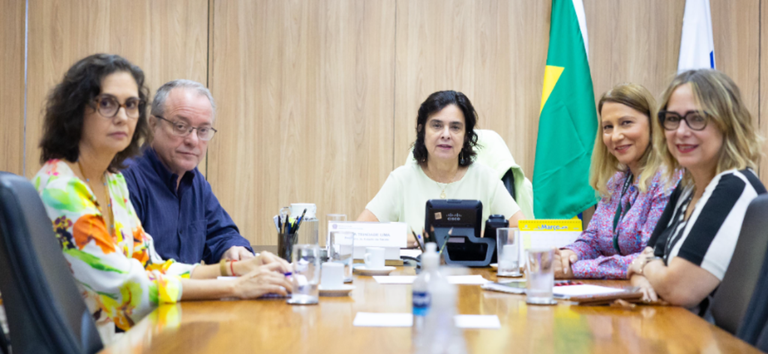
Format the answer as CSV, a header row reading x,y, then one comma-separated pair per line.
x,y
108,106
181,128
696,120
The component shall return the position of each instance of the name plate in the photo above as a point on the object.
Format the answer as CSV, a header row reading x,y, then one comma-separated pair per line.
x,y
548,233
389,235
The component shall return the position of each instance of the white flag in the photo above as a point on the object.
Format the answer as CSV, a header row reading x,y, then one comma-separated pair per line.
x,y
697,48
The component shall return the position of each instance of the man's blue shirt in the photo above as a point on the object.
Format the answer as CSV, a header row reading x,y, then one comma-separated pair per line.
x,y
188,224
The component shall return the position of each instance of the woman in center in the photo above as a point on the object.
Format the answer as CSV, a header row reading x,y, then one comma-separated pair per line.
x,y
444,150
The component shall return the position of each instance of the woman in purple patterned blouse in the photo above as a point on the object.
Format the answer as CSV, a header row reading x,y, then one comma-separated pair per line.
x,y
632,198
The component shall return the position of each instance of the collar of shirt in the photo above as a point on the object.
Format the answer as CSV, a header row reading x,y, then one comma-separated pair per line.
x,y
154,163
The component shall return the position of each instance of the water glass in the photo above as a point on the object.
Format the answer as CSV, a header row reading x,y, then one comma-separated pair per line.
x,y
306,274
507,243
308,229
541,276
341,246
328,219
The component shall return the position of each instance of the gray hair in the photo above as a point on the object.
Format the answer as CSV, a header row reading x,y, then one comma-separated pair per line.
x,y
158,103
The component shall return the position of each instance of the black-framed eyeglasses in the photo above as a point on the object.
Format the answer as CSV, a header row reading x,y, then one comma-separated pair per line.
x,y
108,106
181,128
696,120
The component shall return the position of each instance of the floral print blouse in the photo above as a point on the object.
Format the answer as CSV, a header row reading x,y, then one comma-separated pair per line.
x,y
598,257
121,277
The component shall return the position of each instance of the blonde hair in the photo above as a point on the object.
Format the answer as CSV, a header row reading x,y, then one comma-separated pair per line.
x,y
720,99
604,164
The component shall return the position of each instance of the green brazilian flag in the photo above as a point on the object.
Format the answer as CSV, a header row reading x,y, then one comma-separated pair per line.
x,y
567,121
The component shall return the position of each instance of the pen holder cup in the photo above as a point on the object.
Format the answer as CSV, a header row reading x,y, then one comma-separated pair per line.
x,y
285,242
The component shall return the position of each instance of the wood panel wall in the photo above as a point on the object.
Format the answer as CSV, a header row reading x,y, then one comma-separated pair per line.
x,y
168,39
12,16
762,107
737,49
306,91
633,41
318,99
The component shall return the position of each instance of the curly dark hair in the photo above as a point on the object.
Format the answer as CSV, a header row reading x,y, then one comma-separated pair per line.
x,y
435,103
65,109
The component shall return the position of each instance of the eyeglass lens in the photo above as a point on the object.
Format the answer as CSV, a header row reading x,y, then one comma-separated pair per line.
x,y
695,120
184,129
108,106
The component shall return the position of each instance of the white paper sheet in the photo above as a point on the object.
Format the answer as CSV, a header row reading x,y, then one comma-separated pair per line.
x,y
453,279
394,279
477,321
410,252
371,319
467,280
582,290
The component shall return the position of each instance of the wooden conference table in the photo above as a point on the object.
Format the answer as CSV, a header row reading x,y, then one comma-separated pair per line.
x,y
272,326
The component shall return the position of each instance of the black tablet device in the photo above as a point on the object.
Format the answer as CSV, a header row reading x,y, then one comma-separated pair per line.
x,y
464,245
454,213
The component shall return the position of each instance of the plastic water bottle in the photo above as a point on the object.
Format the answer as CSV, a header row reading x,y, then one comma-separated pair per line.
x,y
430,262
440,334
434,306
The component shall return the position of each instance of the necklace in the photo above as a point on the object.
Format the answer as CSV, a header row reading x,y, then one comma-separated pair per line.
x,y
440,185
442,194
109,200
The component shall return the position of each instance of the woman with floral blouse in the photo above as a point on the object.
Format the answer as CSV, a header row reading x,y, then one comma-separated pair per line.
x,y
95,119
632,197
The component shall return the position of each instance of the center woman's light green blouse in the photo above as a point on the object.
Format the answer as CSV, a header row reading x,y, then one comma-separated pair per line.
x,y
404,196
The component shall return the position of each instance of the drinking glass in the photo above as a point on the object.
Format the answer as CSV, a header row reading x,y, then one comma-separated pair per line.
x,y
308,230
306,274
341,246
507,243
541,276
328,219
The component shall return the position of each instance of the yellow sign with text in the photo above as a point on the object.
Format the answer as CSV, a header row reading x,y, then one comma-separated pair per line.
x,y
550,225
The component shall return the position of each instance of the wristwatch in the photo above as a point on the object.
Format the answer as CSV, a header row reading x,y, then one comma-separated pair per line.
x,y
646,261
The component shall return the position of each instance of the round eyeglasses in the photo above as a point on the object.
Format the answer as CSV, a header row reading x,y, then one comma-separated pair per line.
x,y
181,128
108,106
696,120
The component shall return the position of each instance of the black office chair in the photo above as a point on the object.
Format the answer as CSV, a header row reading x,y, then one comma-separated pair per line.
x,y
46,313
731,299
509,181
5,346
754,327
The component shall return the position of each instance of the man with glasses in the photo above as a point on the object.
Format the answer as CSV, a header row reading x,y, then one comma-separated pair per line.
x,y
172,198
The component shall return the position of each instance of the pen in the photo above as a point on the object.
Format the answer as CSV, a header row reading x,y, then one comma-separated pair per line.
x,y
445,242
418,240
301,218
289,228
